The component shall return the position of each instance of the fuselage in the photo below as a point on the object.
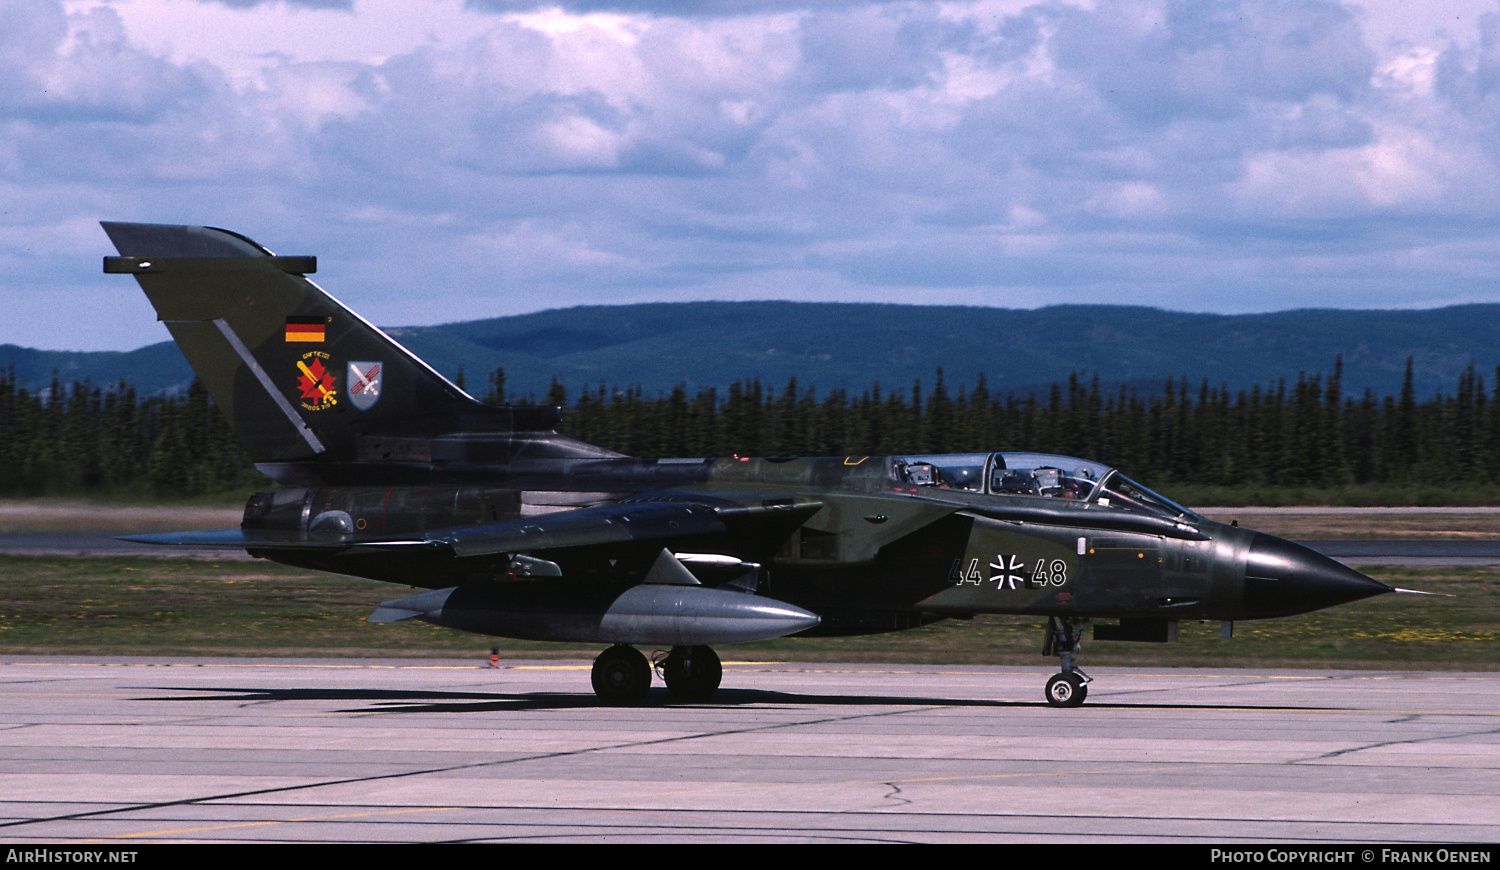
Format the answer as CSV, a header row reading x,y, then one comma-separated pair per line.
x,y
883,542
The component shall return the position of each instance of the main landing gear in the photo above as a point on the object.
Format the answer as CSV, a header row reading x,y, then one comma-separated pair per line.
x,y
1064,637
692,673
622,676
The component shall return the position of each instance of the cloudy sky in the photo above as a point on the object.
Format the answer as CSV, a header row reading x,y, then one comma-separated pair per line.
x,y
447,160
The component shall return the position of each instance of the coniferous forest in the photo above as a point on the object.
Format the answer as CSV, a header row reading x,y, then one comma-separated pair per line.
x,y
1188,437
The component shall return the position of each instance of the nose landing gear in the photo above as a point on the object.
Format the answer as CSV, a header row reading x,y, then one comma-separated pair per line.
x,y
1067,690
1063,639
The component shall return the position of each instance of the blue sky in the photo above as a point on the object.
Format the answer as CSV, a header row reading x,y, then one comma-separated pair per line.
x,y
449,160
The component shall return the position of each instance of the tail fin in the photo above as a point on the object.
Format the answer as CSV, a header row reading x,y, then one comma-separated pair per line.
x,y
299,375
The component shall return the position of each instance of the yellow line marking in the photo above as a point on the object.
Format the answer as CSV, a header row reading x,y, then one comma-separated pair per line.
x,y
268,822
474,667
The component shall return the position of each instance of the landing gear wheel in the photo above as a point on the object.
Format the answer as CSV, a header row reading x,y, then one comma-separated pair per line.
x,y
621,676
1066,690
692,673
1064,637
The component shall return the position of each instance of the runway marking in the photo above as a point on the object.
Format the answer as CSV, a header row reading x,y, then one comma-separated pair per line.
x,y
584,751
716,788
679,775
70,694
726,664
389,812
894,822
450,768
251,665
1482,749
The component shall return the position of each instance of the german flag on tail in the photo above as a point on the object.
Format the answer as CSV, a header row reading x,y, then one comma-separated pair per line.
x,y
304,328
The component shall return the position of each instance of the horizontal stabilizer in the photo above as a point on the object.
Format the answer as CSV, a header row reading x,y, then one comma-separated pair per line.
x,y
226,539
247,539
622,522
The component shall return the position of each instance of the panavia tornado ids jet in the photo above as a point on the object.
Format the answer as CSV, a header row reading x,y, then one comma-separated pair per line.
x,y
391,472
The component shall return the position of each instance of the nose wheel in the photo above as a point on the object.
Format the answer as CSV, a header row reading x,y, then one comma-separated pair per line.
x,y
621,676
1064,637
1066,690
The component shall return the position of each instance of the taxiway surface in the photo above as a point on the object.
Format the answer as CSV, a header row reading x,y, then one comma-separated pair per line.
x,y
129,750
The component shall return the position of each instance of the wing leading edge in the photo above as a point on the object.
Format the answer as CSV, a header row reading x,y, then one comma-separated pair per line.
x,y
638,520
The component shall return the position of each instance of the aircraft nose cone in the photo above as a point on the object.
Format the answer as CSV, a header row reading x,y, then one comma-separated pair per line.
x,y
1283,578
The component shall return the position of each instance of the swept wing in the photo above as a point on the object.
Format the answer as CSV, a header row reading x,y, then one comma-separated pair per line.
x,y
659,517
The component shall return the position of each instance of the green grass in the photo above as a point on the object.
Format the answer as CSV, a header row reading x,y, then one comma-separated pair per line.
x,y
151,606
138,497
191,607
1364,495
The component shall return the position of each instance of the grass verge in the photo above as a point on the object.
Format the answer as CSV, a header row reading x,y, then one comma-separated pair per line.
x,y
149,606
1352,495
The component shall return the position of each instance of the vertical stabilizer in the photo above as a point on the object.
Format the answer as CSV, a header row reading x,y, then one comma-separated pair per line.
x,y
299,375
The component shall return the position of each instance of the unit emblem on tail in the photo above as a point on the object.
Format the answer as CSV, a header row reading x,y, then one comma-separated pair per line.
x,y
316,383
364,384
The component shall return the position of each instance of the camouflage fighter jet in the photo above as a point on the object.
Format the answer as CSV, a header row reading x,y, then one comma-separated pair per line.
x,y
390,471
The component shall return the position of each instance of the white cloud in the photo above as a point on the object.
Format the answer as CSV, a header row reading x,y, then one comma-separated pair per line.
x,y
535,155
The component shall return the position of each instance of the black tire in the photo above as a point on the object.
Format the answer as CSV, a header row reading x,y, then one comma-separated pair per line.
x,y
693,683
1066,690
621,676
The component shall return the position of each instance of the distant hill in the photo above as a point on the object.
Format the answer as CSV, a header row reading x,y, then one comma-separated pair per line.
x,y
851,345
152,369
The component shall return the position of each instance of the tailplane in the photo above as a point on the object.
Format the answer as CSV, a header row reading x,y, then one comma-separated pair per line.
x,y
300,376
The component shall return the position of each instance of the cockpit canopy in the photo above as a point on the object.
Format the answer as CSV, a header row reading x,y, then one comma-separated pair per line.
x,y
1043,475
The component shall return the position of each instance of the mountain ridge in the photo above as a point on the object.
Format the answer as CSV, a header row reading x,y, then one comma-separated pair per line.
x,y
836,345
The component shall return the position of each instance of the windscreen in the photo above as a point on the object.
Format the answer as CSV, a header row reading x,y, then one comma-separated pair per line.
x,y
1120,491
